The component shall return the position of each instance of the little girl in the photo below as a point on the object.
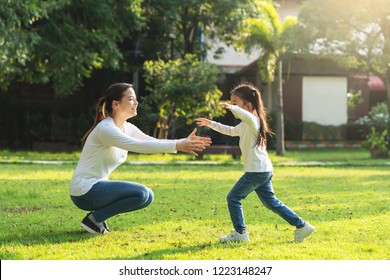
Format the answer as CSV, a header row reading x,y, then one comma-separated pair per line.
x,y
246,104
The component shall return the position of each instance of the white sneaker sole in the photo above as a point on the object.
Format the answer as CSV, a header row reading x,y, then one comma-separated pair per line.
x,y
235,241
225,239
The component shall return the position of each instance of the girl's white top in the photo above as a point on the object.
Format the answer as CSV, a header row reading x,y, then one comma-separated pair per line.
x,y
107,147
255,157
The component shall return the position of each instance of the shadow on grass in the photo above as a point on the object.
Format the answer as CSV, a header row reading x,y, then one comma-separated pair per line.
x,y
162,254
189,251
46,237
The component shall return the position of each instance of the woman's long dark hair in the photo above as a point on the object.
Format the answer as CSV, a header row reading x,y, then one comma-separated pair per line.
x,y
249,93
104,105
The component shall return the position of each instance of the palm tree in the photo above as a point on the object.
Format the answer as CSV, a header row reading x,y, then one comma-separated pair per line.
x,y
271,35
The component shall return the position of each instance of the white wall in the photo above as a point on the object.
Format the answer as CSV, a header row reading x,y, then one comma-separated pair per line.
x,y
231,60
324,100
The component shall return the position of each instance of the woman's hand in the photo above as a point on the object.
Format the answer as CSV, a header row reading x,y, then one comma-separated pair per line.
x,y
193,143
206,140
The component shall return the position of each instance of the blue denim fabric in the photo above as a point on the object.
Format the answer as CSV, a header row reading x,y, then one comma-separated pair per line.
x,y
260,182
109,198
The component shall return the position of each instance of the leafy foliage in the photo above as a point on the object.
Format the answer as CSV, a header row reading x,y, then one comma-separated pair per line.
x,y
62,41
178,27
377,144
378,117
377,141
353,99
267,33
183,88
355,33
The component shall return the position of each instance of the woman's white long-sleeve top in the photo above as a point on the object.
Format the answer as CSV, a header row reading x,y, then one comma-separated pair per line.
x,y
255,158
107,147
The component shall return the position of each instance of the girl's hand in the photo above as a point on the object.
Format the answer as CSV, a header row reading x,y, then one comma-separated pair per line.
x,y
202,122
193,143
225,105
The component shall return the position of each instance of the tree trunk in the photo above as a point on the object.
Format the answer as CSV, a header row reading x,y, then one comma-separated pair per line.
x,y
279,113
164,128
165,124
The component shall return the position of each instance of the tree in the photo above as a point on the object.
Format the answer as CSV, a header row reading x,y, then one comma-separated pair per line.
x,y
272,36
60,42
182,88
354,33
177,27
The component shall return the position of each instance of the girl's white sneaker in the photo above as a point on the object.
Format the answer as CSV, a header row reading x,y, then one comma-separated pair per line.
x,y
234,236
301,233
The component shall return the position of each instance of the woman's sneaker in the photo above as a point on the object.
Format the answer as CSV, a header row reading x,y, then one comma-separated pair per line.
x,y
106,226
234,236
301,233
89,226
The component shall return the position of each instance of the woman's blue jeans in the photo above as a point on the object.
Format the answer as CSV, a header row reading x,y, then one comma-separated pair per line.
x,y
109,198
260,182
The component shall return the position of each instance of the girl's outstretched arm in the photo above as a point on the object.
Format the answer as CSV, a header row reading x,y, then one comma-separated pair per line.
x,y
224,129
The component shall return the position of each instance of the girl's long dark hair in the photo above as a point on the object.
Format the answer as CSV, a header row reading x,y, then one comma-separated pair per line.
x,y
104,105
249,93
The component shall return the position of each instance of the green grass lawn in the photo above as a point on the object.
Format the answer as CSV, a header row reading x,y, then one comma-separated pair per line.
x,y
349,205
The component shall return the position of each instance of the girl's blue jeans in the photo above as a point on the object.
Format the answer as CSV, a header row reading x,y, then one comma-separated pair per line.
x,y
260,182
109,198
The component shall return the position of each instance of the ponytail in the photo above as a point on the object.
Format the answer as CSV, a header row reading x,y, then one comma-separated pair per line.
x,y
104,106
100,115
249,93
